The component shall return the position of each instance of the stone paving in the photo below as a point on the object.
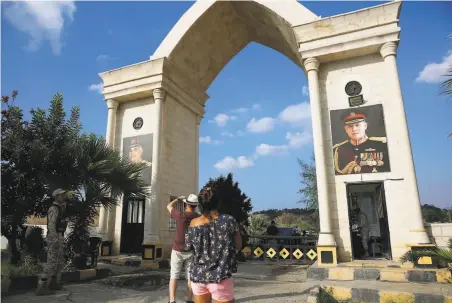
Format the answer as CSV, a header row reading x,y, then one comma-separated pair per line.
x,y
254,283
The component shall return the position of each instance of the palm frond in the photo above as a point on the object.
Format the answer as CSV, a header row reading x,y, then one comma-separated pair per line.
x,y
444,255
105,165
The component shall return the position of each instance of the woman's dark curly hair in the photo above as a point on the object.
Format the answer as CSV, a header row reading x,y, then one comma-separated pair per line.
x,y
208,200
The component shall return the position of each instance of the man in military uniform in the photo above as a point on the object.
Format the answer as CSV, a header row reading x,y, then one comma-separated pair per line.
x,y
360,153
136,151
56,226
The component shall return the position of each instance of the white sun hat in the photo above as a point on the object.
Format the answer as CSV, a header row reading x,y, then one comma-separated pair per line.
x,y
191,200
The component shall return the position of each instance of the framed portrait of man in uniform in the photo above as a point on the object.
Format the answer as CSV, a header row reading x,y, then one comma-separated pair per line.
x,y
138,149
359,140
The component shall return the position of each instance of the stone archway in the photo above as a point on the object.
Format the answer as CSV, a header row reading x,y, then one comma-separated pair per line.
x,y
172,85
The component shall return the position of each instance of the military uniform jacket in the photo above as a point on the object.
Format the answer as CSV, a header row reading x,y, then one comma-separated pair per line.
x,y
368,157
56,222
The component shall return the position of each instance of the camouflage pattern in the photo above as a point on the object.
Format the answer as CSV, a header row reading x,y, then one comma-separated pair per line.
x,y
55,244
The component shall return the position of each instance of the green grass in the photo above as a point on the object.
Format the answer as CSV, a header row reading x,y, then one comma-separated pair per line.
x,y
21,270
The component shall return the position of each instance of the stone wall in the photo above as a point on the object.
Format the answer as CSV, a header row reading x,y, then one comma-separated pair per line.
x,y
371,72
126,114
440,232
179,154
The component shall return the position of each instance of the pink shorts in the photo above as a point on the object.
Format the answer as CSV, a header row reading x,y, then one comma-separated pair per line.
x,y
223,291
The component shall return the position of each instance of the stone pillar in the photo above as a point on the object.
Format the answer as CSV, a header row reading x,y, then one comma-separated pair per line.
x,y
198,124
418,234
326,237
153,203
110,138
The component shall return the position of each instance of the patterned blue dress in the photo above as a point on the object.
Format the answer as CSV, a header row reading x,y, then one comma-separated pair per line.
x,y
213,249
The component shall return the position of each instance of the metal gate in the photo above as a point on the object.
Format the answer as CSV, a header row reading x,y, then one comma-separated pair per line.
x,y
132,231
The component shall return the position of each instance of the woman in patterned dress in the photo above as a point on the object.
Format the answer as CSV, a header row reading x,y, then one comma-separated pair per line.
x,y
215,240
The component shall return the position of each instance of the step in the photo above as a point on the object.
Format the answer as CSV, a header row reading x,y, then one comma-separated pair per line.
x,y
341,273
378,291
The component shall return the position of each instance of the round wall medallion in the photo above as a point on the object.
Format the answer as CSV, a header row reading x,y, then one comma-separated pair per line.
x,y
353,88
138,123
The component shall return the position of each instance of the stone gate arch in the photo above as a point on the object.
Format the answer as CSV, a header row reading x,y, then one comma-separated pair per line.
x,y
167,93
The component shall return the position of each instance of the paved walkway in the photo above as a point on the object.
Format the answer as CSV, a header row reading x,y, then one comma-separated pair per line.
x,y
253,283
246,291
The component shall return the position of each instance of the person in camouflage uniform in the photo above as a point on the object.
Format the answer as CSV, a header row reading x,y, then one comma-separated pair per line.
x,y
56,226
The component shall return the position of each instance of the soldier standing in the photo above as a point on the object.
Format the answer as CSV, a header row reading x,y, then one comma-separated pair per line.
x,y
56,226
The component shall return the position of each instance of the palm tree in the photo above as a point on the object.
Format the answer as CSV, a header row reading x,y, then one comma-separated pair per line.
x,y
99,178
446,86
257,224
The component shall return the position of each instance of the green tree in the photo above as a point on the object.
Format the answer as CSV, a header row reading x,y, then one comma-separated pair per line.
x,y
295,220
308,188
432,214
233,201
22,187
50,152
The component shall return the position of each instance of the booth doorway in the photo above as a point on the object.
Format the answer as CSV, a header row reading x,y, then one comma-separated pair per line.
x,y
132,230
368,218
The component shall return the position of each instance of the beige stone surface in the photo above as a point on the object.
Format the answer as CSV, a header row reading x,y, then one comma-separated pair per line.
x,y
344,48
440,232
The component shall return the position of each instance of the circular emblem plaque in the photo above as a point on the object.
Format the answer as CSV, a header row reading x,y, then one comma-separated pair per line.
x,y
138,123
353,88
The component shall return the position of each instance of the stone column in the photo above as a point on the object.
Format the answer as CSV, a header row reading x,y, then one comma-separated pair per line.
x,y
109,138
418,234
198,124
153,203
326,237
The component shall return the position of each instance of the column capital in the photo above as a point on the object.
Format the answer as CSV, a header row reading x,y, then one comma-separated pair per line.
x,y
388,49
159,93
198,120
311,64
112,104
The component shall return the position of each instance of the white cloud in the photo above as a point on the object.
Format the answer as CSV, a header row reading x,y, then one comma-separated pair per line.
x,y
208,140
205,139
294,141
256,106
239,110
222,119
41,20
266,150
305,90
434,72
104,57
229,163
296,114
297,140
96,87
227,134
262,125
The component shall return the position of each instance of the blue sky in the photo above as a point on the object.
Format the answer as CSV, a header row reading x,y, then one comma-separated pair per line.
x,y
61,47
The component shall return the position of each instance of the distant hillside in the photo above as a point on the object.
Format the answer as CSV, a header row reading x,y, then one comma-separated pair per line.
x,y
274,213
